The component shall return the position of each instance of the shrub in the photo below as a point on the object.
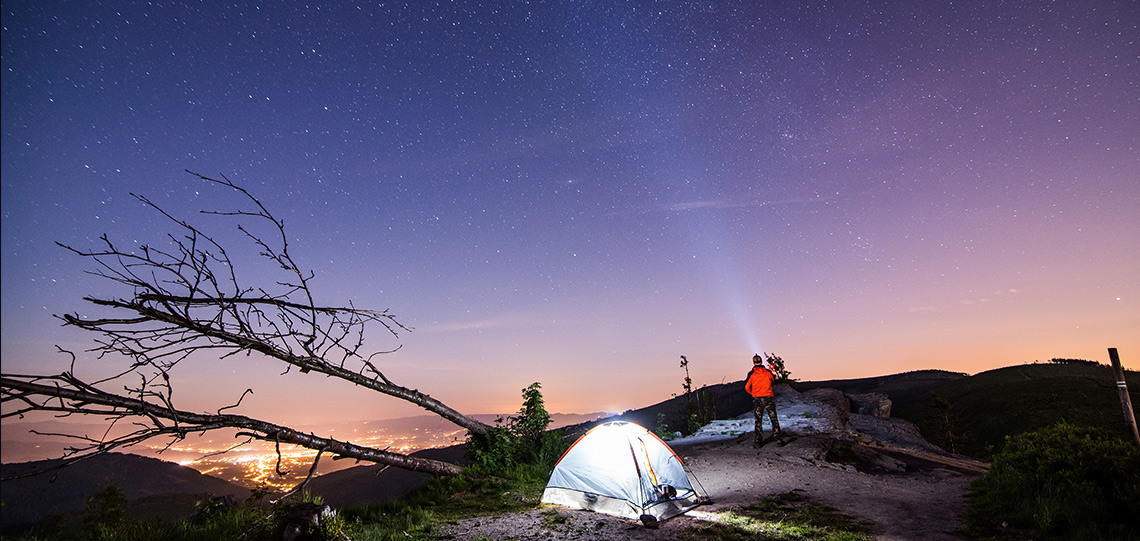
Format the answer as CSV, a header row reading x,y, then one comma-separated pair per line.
x,y
1063,481
107,508
518,440
662,427
700,407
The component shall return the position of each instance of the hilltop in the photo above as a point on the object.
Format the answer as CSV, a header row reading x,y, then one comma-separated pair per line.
x,y
974,414
878,469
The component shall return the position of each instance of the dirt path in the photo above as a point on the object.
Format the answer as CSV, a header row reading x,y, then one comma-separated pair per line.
x,y
906,495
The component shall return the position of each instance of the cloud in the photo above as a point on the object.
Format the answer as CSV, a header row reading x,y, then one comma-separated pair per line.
x,y
971,301
731,203
476,325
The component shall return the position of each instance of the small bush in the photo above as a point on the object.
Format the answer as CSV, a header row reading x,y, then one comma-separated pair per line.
x,y
1064,481
662,427
518,440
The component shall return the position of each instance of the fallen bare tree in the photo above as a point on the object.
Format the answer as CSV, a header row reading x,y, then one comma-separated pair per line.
x,y
186,300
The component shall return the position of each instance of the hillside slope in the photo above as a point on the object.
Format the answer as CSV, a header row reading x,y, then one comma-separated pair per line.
x,y
153,487
991,405
977,412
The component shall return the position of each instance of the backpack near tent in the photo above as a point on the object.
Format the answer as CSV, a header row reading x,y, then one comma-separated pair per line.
x,y
622,469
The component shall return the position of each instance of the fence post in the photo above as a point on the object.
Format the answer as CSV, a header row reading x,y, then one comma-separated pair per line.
x,y
1122,388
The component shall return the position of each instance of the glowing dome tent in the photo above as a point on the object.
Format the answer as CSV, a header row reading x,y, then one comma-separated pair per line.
x,y
622,469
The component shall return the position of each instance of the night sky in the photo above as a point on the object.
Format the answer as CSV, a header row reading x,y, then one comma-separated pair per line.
x,y
578,193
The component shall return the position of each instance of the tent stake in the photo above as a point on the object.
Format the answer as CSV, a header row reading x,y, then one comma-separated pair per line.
x,y
1125,400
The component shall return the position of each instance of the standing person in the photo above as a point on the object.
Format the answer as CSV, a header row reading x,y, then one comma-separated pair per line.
x,y
759,385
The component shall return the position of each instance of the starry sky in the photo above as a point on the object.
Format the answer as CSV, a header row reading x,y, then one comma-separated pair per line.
x,y
580,192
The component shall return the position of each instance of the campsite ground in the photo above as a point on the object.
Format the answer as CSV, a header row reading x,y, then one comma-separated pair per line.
x,y
874,470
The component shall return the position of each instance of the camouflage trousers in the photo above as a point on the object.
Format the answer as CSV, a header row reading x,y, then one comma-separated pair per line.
x,y
762,404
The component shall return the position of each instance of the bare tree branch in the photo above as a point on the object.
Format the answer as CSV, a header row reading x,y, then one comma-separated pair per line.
x,y
67,394
183,297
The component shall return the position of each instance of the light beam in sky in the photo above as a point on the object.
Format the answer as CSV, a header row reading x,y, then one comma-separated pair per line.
x,y
716,252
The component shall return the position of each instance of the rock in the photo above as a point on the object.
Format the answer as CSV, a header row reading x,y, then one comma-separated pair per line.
x,y
833,398
301,515
894,432
877,404
803,414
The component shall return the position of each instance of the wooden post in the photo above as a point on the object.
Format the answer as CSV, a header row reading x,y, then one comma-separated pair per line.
x,y
1122,387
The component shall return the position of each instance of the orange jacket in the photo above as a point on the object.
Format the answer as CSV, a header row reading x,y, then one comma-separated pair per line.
x,y
759,382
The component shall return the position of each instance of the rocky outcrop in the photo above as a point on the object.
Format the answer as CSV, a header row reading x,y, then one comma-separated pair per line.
x,y
893,432
833,398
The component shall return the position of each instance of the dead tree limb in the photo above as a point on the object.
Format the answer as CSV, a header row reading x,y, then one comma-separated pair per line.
x,y
182,298
186,297
65,394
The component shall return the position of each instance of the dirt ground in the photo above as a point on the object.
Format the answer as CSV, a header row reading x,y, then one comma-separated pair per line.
x,y
901,488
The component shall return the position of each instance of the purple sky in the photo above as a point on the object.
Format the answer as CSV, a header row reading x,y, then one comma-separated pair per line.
x,y
578,193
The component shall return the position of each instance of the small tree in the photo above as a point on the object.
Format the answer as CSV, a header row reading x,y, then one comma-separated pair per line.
x,y
107,508
700,406
782,374
688,385
943,423
532,419
518,439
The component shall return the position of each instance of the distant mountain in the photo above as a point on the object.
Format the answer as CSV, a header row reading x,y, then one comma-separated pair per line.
x,y
435,423
903,387
154,487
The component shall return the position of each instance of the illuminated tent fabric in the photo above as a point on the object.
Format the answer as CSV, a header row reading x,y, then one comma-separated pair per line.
x,y
622,469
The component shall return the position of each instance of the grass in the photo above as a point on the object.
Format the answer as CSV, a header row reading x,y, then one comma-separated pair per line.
x,y
418,516
449,499
786,516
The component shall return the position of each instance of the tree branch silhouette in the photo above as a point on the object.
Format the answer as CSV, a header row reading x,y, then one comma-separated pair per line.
x,y
185,299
